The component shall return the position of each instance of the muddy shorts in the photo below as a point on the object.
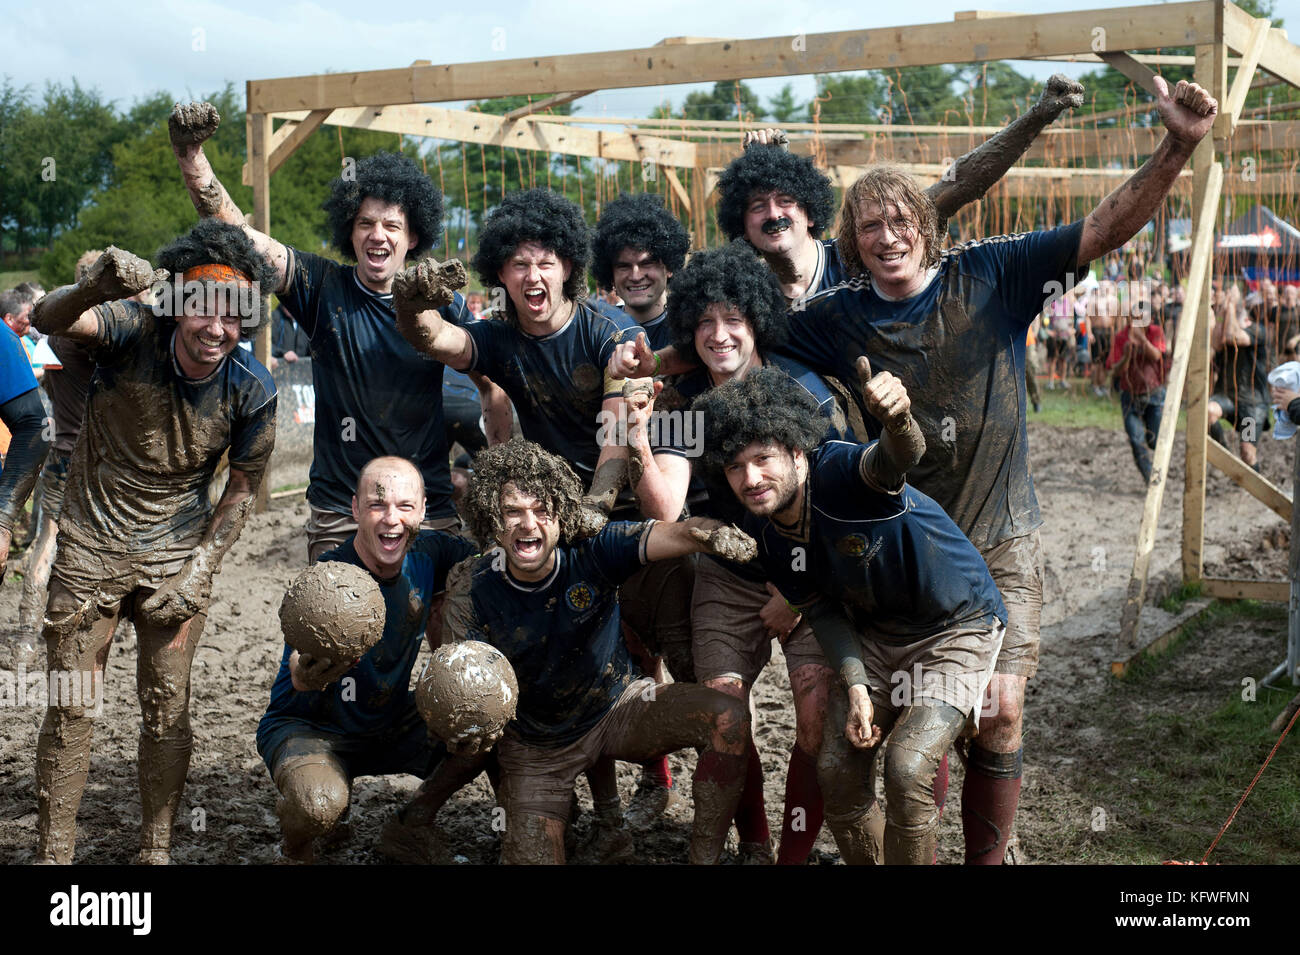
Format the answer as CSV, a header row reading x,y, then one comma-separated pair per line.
x,y
1246,414
728,635
655,603
404,748
1016,566
953,667
327,530
538,780
89,577
53,479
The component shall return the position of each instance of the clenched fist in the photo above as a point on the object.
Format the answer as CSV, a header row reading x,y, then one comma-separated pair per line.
x,y
191,124
119,274
427,285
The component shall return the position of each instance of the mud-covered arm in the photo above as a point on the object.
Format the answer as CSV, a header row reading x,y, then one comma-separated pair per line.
x,y
189,126
885,463
660,481
70,311
1188,116
418,293
975,172
498,417
838,640
636,359
699,535
610,476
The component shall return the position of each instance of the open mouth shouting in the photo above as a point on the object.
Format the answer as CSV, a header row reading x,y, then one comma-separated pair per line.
x,y
535,300
390,542
378,258
528,549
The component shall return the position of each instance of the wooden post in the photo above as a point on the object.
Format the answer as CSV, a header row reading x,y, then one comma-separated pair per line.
x,y
259,141
699,208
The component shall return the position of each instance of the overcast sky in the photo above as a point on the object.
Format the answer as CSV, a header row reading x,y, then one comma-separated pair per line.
x,y
144,46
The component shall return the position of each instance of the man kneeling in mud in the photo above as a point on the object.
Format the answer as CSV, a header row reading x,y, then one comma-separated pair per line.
x,y
550,604
321,732
138,537
899,599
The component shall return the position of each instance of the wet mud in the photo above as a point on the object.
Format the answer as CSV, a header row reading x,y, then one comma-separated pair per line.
x,y
333,611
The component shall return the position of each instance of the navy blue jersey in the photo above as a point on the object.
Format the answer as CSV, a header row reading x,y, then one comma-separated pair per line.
x,y
561,634
375,394
16,375
958,346
557,382
375,694
897,563
658,332
831,270
709,498
138,488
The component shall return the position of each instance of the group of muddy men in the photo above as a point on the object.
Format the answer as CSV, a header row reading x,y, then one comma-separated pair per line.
x,y
814,435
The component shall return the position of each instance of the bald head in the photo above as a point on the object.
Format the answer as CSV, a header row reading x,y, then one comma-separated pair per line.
x,y
382,476
388,508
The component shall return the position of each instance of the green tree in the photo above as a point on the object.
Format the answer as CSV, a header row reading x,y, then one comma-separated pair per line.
x,y
849,97
784,108
727,100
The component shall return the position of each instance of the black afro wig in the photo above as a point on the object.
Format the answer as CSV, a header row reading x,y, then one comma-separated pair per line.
x,y
213,242
390,178
764,169
734,275
639,222
533,471
534,215
766,405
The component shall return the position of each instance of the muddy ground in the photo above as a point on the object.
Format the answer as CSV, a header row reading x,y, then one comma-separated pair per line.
x,y
1092,500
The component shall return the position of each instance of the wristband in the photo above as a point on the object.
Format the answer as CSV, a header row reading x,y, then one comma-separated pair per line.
x,y
658,363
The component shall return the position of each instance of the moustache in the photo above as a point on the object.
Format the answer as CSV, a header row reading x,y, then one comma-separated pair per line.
x,y
773,226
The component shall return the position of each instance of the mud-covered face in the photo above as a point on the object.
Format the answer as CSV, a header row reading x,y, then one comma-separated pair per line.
x,y
381,239
775,222
205,336
891,248
388,508
530,532
534,278
724,339
768,479
640,279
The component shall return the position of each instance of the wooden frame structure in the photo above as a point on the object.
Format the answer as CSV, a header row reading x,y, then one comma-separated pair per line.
x,y
396,100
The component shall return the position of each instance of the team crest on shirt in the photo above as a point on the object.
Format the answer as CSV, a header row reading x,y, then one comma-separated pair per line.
x,y
579,597
854,545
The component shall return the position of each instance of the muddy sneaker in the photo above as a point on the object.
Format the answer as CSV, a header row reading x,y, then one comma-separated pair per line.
x,y
756,853
650,803
411,845
153,857
609,843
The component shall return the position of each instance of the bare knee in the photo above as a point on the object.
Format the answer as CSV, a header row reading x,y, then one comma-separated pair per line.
x,y
1002,716
909,786
313,798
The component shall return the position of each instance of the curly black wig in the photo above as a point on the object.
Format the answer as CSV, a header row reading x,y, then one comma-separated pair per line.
x,y
734,275
766,405
391,178
534,215
213,242
763,169
640,222
532,471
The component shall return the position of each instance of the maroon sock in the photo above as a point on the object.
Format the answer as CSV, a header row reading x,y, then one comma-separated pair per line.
x,y
804,795
657,773
751,813
988,803
941,784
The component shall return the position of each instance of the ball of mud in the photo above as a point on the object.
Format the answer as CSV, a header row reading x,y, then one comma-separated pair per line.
x,y
467,687
333,610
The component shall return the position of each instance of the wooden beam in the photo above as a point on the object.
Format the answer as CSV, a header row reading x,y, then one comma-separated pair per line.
x,y
1135,71
1044,34
545,104
682,195
1245,477
1280,56
1231,110
259,142
1202,253
1274,591
1120,668
284,148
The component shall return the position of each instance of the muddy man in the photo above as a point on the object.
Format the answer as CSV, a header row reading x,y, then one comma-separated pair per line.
x,y
138,538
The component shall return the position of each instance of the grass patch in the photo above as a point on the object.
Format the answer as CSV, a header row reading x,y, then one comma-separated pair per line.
x,y
1175,601
1080,408
10,279
1170,777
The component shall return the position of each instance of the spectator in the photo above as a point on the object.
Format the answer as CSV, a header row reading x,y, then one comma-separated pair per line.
x,y
289,341
1243,360
1059,338
1137,362
17,313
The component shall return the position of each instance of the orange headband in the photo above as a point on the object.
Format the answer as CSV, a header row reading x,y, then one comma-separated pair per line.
x,y
215,273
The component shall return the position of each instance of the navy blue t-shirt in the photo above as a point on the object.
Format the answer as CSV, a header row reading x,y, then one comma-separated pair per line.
x,y
557,382
658,332
16,375
959,347
715,499
378,696
897,563
561,634
375,394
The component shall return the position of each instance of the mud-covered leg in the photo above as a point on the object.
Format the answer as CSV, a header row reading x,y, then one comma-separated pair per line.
x,y
35,590
76,640
163,686
532,840
804,807
847,778
682,715
314,795
920,738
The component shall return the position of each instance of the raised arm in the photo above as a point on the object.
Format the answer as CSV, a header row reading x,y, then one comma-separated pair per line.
x,y
635,359
69,311
498,417
901,445
975,172
1188,116
660,481
418,292
189,126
